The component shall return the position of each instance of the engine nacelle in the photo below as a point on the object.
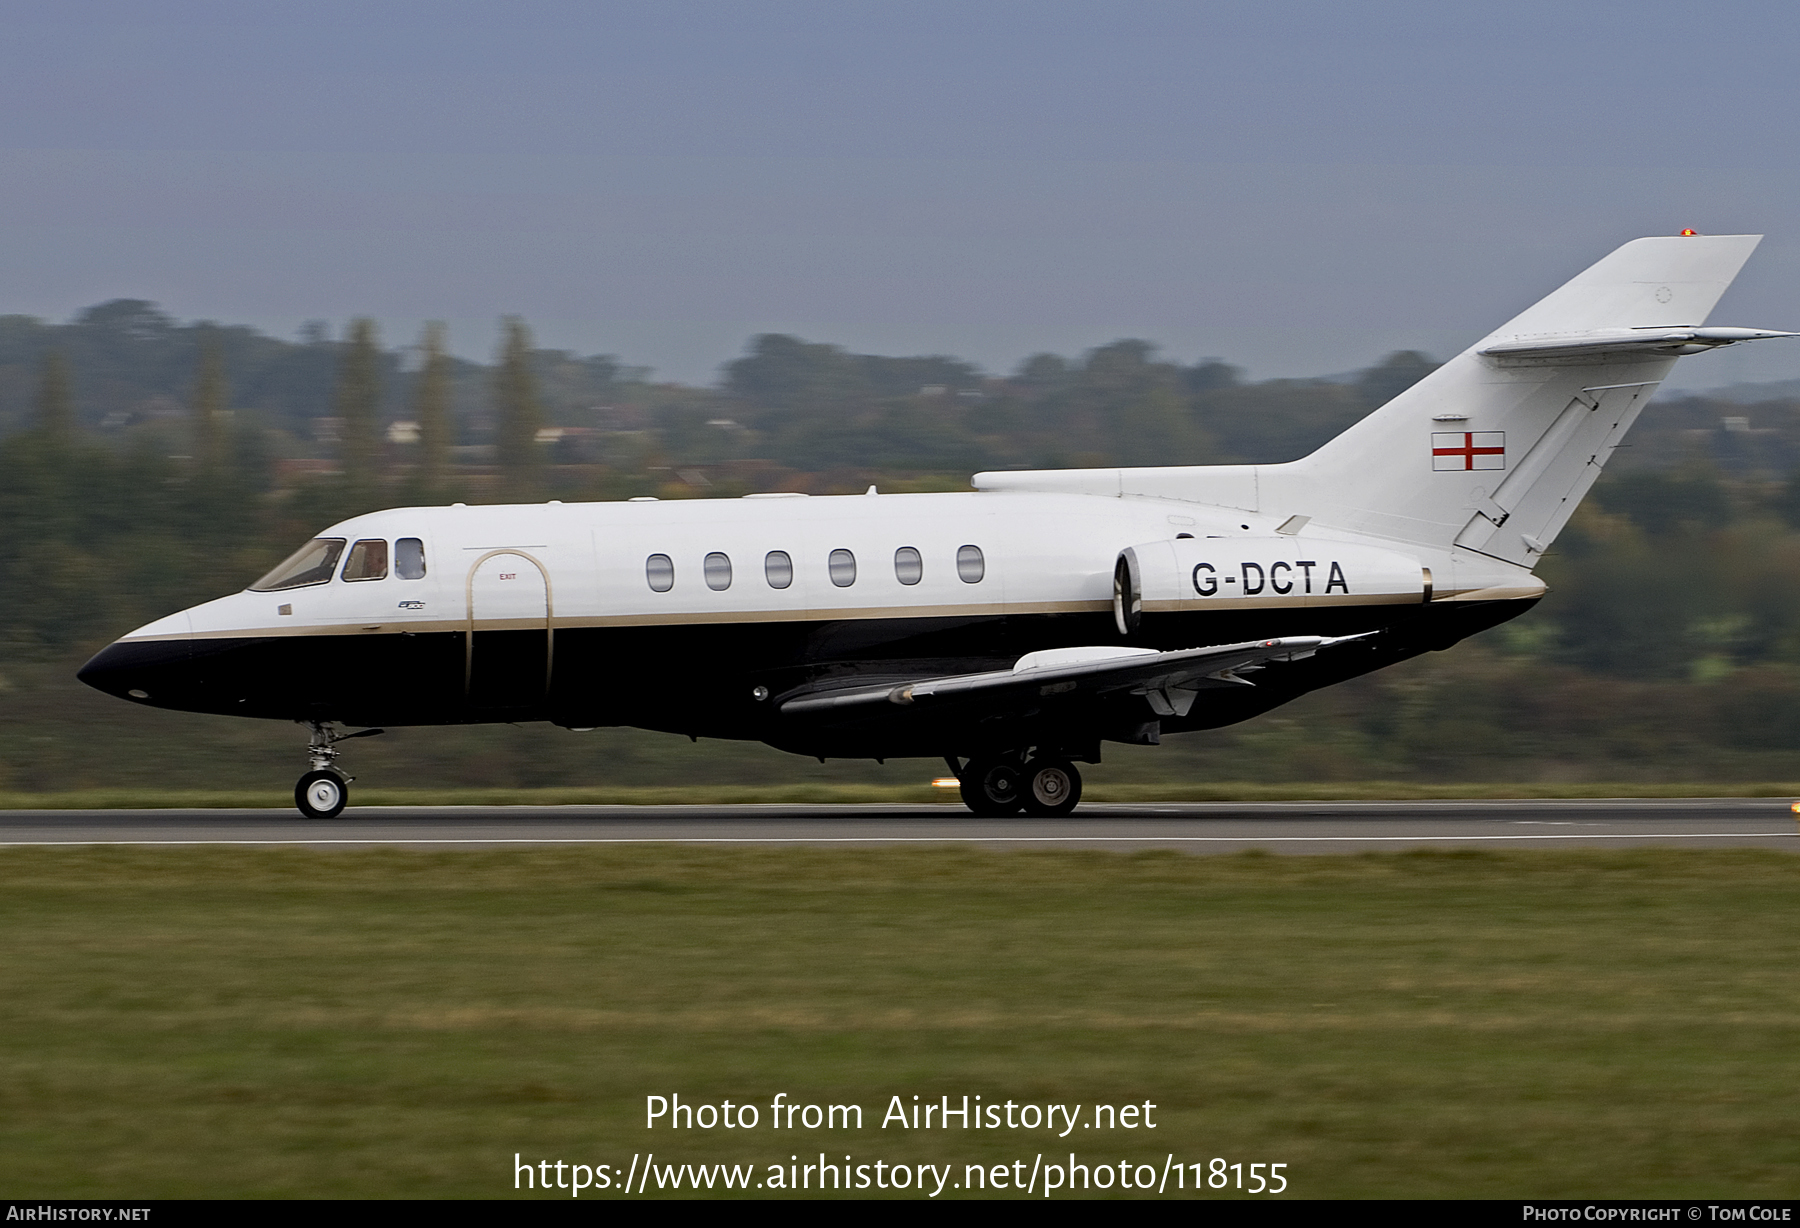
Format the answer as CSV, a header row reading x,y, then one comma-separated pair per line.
x,y
1238,573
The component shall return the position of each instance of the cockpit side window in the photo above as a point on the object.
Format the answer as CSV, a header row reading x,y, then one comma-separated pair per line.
x,y
409,558
313,563
368,560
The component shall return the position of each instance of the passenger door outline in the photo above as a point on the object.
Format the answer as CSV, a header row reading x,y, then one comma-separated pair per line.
x,y
469,608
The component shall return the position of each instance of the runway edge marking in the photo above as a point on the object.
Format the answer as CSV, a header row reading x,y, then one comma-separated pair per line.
x,y
301,840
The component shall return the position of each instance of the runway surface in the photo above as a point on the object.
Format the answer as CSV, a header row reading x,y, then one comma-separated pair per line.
x,y
1206,827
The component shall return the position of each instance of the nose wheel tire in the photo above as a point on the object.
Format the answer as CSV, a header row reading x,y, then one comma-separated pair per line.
x,y
992,788
1052,787
321,795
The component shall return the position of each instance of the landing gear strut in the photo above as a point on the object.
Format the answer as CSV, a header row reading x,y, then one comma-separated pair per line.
x,y
1042,783
324,792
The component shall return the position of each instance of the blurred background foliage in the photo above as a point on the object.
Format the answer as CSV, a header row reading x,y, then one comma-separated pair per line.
x,y
151,464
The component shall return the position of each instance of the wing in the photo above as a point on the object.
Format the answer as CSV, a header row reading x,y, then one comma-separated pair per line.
x,y
1169,681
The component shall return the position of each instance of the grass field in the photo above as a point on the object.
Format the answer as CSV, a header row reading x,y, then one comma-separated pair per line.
x,y
920,793
210,1022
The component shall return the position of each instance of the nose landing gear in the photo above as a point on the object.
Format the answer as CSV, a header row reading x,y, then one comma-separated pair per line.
x,y
324,792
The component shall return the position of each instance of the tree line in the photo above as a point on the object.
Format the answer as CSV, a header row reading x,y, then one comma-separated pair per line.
x,y
799,406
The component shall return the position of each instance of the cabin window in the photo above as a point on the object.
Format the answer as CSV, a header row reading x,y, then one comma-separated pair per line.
x,y
409,558
659,570
313,563
368,560
717,569
909,568
970,566
842,567
778,569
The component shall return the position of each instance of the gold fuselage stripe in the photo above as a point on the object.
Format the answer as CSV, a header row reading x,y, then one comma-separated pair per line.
x,y
858,613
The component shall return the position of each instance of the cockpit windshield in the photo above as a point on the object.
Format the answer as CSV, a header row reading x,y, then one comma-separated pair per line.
x,y
313,563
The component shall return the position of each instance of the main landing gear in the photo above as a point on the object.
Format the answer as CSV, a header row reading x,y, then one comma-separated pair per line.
x,y
1039,783
324,792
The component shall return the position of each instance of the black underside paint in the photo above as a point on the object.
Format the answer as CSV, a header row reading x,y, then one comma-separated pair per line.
x,y
700,679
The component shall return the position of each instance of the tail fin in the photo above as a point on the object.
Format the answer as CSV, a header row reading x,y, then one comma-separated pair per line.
x,y
1494,450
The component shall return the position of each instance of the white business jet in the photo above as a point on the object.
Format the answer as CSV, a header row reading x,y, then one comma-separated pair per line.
x,y
1010,630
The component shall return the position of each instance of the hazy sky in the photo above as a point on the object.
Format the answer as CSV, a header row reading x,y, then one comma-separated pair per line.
x,y
1295,187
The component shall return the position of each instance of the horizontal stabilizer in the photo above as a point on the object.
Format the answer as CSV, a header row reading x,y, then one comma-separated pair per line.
x,y
1624,344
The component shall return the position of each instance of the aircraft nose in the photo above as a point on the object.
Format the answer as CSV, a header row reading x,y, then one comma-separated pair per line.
x,y
145,671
